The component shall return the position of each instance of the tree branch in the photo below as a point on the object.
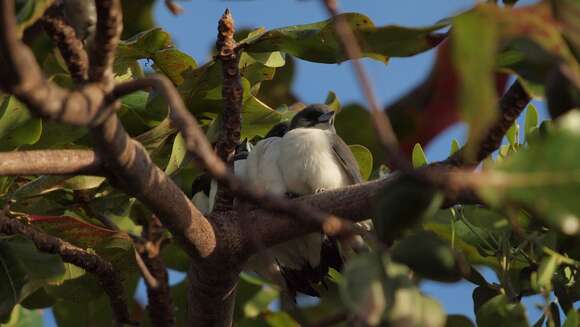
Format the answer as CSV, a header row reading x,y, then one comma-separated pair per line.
x,y
21,76
160,305
108,33
511,105
232,93
108,277
381,122
71,48
50,162
132,170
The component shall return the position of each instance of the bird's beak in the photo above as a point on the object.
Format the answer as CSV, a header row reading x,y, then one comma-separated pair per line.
x,y
327,117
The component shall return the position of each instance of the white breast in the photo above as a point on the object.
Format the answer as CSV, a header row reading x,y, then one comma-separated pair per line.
x,y
262,169
308,163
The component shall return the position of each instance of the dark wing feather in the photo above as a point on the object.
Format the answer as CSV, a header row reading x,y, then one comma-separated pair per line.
x,y
347,160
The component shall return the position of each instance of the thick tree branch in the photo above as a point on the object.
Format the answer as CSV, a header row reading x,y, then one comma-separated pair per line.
x,y
381,121
50,162
108,33
65,38
132,170
108,277
511,105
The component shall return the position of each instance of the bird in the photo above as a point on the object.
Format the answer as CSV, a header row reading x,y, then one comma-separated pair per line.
x,y
82,16
308,158
262,169
204,188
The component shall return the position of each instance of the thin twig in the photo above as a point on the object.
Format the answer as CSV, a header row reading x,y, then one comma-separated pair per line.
x,y
50,162
160,306
381,122
65,38
173,7
107,275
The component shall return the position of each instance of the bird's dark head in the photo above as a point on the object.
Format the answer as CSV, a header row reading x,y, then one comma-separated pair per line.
x,y
314,116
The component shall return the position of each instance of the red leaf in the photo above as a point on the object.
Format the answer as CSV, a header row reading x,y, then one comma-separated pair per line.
x,y
73,230
430,108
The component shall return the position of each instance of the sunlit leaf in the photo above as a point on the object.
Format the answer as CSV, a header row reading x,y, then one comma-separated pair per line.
x,y
419,158
332,101
364,159
454,146
319,42
178,153
22,317
531,121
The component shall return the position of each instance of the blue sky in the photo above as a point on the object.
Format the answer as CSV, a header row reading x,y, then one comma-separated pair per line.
x,y
195,30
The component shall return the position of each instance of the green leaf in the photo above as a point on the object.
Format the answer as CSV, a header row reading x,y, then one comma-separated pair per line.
x,y
17,127
23,270
512,134
332,101
572,319
144,44
46,184
454,146
545,273
533,45
21,317
30,12
364,158
91,314
354,124
318,42
458,321
474,50
173,63
500,312
402,204
362,292
280,319
257,118
419,157
178,153
531,121
430,257
542,177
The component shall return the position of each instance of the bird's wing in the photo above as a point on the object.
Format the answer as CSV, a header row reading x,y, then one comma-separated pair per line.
x,y
347,160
